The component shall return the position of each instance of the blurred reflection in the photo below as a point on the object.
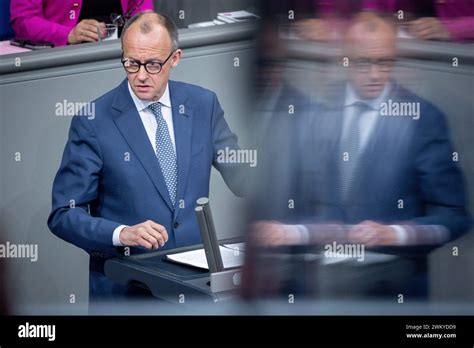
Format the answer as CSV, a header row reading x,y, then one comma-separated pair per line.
x,y
3,290
362,177
4,303
425,19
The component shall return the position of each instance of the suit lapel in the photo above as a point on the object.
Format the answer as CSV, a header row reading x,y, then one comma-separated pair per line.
x,y
183,129
131,127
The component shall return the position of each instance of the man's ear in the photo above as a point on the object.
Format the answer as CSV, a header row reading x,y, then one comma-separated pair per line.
x,y
176,58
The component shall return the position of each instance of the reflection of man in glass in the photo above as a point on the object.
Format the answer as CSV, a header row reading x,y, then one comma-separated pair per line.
x,y
378,164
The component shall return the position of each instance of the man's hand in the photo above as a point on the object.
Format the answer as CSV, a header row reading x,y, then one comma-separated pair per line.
x,y
85,31
312,29
371,233
147,234
428,28
274,233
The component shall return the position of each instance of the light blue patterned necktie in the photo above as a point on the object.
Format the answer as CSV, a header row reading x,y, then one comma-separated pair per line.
x,y
350,145
165,152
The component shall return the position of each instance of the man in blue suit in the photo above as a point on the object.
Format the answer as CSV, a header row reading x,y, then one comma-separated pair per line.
x,y
376,169
130,175
373,157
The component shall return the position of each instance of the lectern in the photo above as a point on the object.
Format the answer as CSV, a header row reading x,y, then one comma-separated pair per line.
x,y
173,282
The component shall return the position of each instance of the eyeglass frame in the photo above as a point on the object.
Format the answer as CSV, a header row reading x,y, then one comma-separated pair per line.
x,y
140,64
377,62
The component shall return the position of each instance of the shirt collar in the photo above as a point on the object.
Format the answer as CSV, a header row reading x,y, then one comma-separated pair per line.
x,y
352,97
143,104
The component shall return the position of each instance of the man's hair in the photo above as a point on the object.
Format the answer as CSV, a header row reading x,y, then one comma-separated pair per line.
x,y
146,25
373,20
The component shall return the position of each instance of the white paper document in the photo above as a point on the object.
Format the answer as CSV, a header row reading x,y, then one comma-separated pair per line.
x,y
366,258
233,256
230,257
236,16
238,247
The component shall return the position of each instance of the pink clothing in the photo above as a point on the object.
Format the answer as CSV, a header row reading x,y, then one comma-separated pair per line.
x,y
52,20
456,15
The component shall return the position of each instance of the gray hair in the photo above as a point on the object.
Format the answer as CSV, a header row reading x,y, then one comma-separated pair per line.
x,y
146,26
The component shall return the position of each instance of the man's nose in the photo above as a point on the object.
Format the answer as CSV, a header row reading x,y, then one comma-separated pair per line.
x,y
374,72
142,74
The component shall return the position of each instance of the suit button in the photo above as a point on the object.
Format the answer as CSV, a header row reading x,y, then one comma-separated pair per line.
x,y
176,225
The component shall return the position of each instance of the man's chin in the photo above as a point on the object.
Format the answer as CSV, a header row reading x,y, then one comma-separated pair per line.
x,y
372,93
144,95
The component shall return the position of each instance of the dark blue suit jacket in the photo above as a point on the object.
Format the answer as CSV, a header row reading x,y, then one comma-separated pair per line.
x,y
406,174
109,174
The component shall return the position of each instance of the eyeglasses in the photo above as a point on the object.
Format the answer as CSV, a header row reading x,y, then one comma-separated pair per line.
x,y
152,67
364,64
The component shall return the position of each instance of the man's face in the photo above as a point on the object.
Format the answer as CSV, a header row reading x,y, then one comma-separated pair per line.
x,y
371,56
153,46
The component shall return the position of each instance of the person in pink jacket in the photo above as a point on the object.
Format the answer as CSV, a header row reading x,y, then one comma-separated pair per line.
x,y
451,20
60,22
435,19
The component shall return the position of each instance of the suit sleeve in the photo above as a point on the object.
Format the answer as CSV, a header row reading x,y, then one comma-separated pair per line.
x,y
441,182
234,174
75,189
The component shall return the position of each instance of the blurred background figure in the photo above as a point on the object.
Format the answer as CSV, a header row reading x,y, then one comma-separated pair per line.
x,y
3,290
5,306
70,21
426,19
361,172
6,31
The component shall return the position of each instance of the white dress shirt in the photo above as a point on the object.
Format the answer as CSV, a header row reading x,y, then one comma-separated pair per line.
x,y
368,119
149,122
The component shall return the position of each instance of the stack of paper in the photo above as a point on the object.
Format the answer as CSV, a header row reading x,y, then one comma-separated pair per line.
x,y
232,256
236,16
226,17
366,258
205,24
